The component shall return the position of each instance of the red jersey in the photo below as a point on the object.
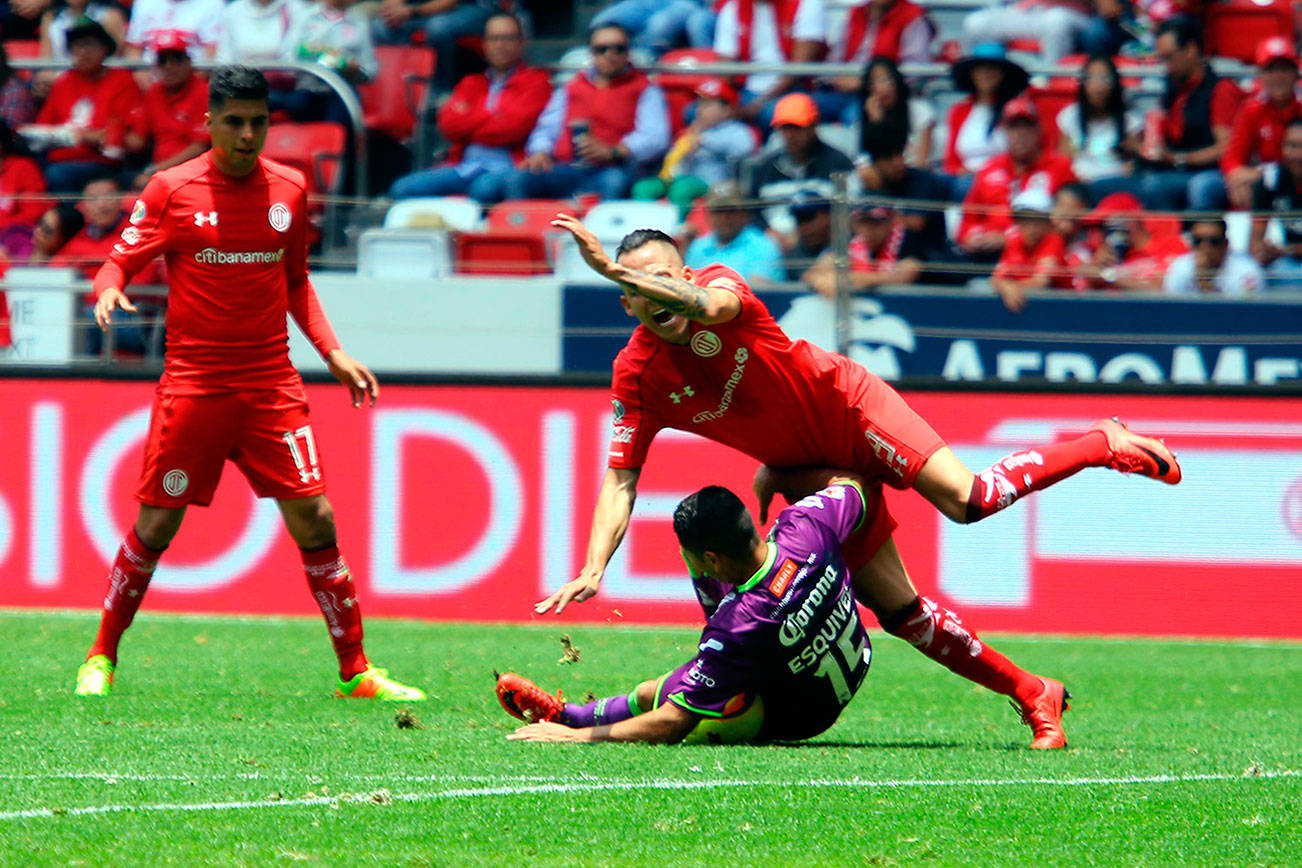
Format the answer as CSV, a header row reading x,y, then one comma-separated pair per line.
x,y
987,206
1020,262
21,184
1258,133
88,249
105,103
745,384
174,121
236,256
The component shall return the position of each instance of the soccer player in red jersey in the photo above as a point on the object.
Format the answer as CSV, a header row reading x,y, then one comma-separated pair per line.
x,y
232,227
709,358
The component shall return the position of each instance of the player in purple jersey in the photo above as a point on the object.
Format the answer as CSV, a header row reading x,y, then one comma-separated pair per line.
x,y
783,650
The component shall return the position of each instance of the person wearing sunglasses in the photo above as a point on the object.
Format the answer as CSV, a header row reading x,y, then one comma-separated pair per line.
x,y
1211,267
598,132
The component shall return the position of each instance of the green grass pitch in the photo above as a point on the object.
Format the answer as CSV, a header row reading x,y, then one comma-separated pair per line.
x,y
221,745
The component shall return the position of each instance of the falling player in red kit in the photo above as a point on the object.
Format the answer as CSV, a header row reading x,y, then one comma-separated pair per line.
x,y
709,358
232,226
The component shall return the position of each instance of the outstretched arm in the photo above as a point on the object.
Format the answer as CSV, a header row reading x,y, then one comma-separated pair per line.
x,y
609,523
705,304
665,725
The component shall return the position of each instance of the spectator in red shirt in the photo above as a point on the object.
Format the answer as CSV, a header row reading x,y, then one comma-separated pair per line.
x,y
101,205
55,227
1198,113
487,120
1259,126
975,135
1130,250
84,120
1034,257
882,253
171,116
1025,165
21,186
599,132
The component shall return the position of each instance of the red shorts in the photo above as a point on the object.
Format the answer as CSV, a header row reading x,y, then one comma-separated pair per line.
x,y
900,440
265,432
878,525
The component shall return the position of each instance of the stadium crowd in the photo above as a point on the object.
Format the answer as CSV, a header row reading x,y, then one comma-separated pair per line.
x,y
1063,183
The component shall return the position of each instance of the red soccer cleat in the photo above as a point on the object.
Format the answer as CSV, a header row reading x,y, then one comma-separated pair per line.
x,y
1135,453
1044,715
523,699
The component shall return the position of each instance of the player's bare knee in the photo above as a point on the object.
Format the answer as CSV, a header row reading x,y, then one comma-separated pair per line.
x,y
310,521
156,527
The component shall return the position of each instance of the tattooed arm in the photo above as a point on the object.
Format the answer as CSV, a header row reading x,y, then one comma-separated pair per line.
x,y
705,304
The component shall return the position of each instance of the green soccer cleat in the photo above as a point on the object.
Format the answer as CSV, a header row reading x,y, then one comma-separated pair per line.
x,y
95,677
376,684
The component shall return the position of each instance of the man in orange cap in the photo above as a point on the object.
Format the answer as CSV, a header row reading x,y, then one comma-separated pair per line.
x,y
1259,125
804,161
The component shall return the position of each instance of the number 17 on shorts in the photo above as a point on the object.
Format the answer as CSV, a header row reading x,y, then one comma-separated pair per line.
x,y
302,448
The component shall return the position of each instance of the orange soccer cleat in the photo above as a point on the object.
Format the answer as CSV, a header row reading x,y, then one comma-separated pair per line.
x,y
1135,453
1043,715
523,699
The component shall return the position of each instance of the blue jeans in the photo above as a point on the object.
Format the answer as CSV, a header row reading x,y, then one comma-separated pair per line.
x,y
477,183
1177,189
1101,36
441,33
836,107
139,333
659,25
566,179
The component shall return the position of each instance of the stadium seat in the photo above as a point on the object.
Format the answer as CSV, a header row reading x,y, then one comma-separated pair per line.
x,y
501,252
315,149
613,219
22,49
404,254
680,87
528,215
1235,28
397,95
458,213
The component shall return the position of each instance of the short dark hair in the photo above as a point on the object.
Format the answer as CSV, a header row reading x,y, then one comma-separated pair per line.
x,y
1211,221
502,13
639,237
1293,122
884,140
1184,29
592,31
1079,190
102,174
715,520
236,82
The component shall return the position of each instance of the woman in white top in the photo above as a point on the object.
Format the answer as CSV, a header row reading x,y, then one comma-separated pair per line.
x,y
884,97
253,31
975,135
1098,133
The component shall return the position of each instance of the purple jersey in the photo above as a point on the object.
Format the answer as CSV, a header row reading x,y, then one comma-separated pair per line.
x,y
791,633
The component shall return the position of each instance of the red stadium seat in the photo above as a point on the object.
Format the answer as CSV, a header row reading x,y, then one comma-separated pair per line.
x,y
528,215
316,149
680,87
1236,27
23,49
397,95
502,253
1049,101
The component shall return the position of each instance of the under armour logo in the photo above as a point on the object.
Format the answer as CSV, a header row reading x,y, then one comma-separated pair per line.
x,y
677,397
202,219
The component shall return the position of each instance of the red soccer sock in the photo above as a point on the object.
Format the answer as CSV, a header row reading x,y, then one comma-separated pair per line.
x,y
332,588
128,580
1031,470
938,633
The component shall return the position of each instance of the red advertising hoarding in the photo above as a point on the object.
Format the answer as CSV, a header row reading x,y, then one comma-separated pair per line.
x,y
472,502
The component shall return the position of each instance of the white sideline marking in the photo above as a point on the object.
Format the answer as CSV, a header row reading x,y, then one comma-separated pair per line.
x,y
273,777
597,785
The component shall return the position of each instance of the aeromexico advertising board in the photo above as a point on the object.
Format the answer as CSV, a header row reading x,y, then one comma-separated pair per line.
x,y
471,503
963,337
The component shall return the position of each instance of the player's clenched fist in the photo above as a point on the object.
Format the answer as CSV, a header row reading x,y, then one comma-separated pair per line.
x,y
110,300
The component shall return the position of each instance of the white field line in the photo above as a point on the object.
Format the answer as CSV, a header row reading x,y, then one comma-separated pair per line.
x,y
272,777
383,797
